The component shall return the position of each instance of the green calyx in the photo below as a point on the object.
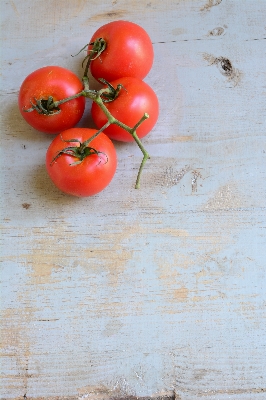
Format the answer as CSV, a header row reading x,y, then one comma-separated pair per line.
x,y
98,46
111,92
80,152
44,106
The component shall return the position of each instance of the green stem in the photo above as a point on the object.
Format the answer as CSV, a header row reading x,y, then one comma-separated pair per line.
x,y
55,104
132,131
144,159
97,133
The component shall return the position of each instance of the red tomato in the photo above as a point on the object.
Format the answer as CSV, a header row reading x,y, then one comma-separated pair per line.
x,y
81,177
134,99
128,52
59,83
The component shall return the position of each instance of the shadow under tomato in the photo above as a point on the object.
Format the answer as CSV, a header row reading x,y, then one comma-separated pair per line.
x,y
45,189
16,127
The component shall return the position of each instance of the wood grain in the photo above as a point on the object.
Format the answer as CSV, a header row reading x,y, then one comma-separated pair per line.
x,y
150,291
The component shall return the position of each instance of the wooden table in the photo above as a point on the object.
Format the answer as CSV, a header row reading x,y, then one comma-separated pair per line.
x,y
161,289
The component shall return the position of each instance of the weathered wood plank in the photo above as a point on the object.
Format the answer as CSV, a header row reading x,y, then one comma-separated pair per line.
x,y
162,289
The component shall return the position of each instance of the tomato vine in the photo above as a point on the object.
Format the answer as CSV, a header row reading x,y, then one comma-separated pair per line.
x,y
50,106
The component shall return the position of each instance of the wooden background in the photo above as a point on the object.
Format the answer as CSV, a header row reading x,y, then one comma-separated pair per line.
x,y
138,292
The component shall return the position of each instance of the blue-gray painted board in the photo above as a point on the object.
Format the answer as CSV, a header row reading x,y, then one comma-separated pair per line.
x,y
138,292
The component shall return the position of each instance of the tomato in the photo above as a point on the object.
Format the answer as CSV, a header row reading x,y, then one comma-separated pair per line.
x,y
80,177
134,99
128,52
59,83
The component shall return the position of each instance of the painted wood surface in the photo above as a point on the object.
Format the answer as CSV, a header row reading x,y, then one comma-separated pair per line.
x,y
135,292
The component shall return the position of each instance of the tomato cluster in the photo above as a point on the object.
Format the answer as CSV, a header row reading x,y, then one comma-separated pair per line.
x,y
83,161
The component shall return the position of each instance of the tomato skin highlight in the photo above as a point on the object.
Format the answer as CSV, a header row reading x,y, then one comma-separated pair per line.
x,y
90,176
59,83
129,51
134,99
